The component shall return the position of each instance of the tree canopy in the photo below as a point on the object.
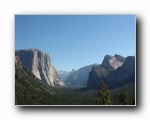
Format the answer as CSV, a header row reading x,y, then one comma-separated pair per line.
x,y
103,95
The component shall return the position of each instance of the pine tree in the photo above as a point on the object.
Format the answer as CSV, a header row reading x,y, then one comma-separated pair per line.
x,y
103,95
123,96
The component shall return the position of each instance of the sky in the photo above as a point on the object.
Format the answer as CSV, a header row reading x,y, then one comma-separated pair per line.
x,y
74,41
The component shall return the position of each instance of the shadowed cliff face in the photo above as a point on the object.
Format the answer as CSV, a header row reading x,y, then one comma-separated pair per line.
x,y
96,75
126,73
39,64
112,71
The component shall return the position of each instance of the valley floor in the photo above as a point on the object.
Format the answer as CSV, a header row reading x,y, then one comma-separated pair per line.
x,y
69,96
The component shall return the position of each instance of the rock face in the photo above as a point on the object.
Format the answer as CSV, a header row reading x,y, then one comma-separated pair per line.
x,y
29,90
95,76
112,71
79,77
40,65
112,62
126,73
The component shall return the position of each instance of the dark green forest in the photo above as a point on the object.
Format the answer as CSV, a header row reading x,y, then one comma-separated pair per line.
x,y
32,95
31,91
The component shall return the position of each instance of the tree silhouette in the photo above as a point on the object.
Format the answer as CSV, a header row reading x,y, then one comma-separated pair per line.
x,y
123,96
103,95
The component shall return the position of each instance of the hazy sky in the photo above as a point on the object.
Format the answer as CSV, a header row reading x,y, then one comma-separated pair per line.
x,y
74,41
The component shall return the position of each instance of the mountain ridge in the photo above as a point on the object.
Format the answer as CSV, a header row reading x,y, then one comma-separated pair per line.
x,y
112,62
65,74
79,77
113,77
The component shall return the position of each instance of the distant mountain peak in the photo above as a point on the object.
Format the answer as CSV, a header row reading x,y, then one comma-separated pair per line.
x,y
73,70
128,64
79,77
108,57
112,62
121,69
65,74
120,58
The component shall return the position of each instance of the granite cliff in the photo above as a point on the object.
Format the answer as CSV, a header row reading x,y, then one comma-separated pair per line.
x,y
29,90
111,63
39,64
112,70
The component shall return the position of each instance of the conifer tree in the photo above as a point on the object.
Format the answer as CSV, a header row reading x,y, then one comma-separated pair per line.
x,y
103,95
123,96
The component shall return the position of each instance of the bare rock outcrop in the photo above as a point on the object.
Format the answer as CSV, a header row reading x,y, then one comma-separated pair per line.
x,y
113,70
112,62
39,64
